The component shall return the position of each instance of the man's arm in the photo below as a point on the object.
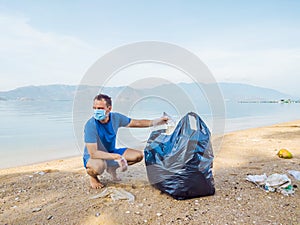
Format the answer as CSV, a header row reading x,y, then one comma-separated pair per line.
x,y
147,123
96,154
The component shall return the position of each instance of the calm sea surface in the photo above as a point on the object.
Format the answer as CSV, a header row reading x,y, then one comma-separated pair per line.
x,y
35,131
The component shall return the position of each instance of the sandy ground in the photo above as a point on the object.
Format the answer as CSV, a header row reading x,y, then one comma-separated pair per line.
x,y
61,193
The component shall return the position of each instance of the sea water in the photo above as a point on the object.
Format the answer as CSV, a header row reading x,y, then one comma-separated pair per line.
x,y
36,131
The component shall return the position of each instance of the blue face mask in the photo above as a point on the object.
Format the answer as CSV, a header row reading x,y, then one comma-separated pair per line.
x,y
99,114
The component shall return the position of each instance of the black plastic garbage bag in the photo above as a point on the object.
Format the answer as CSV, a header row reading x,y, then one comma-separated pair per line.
x,y
180,164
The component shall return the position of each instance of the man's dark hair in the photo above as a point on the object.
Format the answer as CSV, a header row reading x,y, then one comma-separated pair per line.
x,y
105,97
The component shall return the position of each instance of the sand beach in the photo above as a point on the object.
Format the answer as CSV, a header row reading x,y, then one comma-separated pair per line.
x,y
58,192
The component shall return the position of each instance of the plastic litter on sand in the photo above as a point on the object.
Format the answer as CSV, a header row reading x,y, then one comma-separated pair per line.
x,y
295,174
273,183
115,194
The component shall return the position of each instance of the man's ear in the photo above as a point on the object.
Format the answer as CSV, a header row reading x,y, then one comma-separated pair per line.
x,y
109,108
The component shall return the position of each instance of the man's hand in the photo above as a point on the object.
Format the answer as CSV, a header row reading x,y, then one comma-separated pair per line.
x,y
116,156
160,121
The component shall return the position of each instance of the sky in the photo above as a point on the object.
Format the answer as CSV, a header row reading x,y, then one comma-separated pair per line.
x,y
50,42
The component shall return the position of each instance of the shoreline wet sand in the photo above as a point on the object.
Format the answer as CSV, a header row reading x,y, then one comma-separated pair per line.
x,y
58,192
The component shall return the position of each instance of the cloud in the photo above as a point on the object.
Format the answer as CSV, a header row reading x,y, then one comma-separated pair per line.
x,y
31,56
276,68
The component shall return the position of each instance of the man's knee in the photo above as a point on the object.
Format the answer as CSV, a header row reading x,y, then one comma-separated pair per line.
x,y
96,166
139,157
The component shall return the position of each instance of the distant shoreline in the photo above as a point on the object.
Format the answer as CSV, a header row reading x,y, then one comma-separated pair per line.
x,y
282,101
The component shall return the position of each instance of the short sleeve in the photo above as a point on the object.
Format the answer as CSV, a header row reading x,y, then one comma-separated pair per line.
x,y
90,131
123,120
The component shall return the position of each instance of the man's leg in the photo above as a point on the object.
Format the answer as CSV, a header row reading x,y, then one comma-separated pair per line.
x,y
112,171
133,156
94,168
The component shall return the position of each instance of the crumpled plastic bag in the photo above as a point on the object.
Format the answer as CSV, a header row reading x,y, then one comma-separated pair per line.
x,y
273,183
171,124
278,182
295,174
257,179
115,194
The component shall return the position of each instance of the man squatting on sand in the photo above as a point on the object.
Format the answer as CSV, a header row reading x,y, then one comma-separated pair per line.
x,y
100,133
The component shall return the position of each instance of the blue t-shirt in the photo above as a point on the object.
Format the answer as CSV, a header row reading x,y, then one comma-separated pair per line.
x,y
103,134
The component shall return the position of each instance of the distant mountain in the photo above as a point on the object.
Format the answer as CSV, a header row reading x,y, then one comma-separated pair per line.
x,y
47,92
245,92
231,92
